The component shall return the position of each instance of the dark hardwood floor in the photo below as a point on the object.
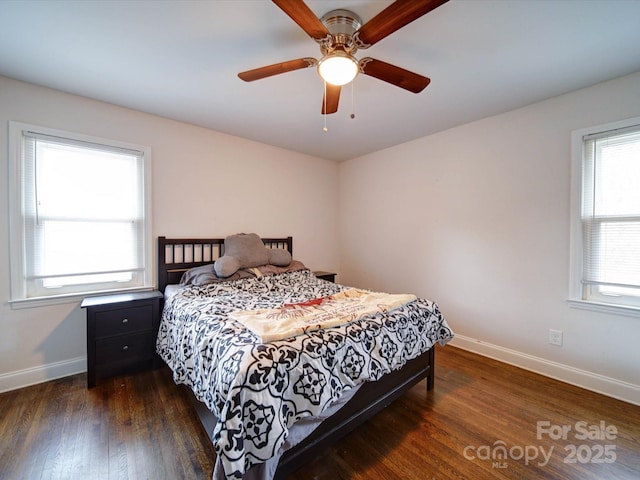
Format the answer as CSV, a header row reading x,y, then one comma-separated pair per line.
x,y
484,420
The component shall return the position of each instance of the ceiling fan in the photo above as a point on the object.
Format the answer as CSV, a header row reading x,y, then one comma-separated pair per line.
x,y
340,34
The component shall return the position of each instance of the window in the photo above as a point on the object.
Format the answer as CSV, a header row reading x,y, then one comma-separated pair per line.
x,y
608,212
80,220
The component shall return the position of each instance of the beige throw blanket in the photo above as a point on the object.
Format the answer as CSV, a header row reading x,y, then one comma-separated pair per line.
x,y
295,318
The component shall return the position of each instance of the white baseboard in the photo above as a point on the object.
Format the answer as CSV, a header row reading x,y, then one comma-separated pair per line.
x,y
42,373
611,387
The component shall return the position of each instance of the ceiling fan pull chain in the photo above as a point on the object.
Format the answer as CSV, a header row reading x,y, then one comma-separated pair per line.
x,y
353,114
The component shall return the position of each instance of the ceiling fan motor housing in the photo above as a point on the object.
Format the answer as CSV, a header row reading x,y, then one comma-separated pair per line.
x,y
342,24
339,34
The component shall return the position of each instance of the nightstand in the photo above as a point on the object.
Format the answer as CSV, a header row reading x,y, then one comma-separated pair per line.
x,y
330,276
121,333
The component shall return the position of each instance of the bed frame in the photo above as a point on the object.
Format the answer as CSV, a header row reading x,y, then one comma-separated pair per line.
x,y
176,255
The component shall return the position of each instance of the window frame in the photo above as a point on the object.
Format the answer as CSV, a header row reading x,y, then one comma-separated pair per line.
x,y
19,294
577,297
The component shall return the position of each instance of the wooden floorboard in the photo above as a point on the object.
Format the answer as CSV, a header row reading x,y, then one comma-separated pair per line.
x,y
142,427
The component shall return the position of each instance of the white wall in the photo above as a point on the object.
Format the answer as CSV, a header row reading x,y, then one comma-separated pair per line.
x,y
204,184
477,219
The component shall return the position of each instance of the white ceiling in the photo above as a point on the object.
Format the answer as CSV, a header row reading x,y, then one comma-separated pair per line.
x,y
179,59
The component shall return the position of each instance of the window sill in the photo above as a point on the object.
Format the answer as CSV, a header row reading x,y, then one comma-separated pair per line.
x,y
625,310
34,302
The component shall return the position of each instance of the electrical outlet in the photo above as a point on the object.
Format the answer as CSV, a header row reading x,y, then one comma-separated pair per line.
x,y
555,337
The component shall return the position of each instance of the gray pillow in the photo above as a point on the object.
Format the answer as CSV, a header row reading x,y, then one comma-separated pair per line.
x,y
279,257
243,250
226,266
199,275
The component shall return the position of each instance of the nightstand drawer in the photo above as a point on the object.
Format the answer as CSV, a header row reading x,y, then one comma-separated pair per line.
x,y
124,320
124,348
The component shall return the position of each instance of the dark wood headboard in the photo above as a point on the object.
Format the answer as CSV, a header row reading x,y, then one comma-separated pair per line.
x,y
177,255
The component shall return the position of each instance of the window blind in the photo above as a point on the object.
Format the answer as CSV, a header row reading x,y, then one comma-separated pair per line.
x,y
611,209
84,215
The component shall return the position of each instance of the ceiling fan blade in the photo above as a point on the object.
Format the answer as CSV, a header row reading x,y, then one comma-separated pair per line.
x,y
394,17
304,17
331,99
394,75
276,69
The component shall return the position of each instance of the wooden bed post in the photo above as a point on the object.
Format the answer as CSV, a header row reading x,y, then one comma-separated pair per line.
x,y
163,277
431,378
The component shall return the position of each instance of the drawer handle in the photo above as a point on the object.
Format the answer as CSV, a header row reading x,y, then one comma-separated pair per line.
x,y
126,347
125,320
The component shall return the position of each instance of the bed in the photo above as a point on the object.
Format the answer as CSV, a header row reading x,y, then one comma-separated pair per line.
x,y
274,412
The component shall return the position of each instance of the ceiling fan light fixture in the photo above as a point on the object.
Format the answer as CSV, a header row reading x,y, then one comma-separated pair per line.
x,y
339,68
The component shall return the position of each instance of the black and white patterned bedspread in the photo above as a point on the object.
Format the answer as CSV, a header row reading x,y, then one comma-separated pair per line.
x,y
257,391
